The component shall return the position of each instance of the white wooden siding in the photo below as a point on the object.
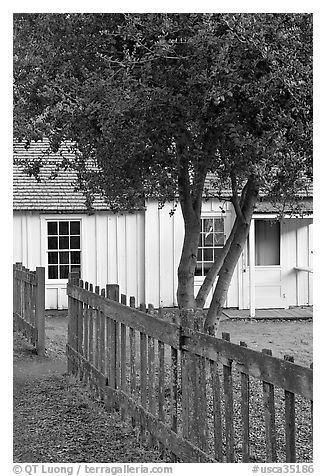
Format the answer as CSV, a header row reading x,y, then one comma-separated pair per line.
x,y
101,233
302,261
141,253
296,251
27,239
112,264
112,251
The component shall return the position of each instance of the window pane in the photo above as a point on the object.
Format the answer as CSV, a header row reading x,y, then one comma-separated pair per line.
x,y
74,242
200,255
267,246
53,257
52,243
199,269
207,267
52,228
208,254
53,272
64,271
217,252
64,257
75,267
208,225
218,239
64,242
75,257
63,228
219,225
208,239
75,228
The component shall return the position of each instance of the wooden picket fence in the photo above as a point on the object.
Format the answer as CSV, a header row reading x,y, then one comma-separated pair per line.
x,y
188,392
29,304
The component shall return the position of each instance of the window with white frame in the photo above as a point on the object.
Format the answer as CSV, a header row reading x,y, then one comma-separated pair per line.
x,y
63,248
211,242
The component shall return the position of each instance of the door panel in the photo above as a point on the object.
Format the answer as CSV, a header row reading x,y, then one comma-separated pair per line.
x,y
268,287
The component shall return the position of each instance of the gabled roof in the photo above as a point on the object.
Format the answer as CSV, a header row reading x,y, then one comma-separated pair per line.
x,y
55,190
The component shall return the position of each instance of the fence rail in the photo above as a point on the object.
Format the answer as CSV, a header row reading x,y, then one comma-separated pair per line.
x,y
29,304
191,393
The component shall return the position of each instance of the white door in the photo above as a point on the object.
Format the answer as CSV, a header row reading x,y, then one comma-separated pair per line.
x,y
61,254
267,276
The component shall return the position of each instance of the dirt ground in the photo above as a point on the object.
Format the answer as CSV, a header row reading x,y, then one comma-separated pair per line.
x,y
57,419
67,424
282,337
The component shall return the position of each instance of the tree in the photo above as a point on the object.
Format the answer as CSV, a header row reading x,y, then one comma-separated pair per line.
x,y
158,101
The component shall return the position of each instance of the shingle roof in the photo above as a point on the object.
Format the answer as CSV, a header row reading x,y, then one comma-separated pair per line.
x,y
303,198
49,193
58,194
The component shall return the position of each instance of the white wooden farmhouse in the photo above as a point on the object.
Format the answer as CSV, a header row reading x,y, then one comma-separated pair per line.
x,y
140,250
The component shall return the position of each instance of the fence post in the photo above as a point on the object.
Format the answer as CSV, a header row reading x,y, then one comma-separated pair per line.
x,y
39,310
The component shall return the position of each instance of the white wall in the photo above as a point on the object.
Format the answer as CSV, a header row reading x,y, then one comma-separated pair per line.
x,y
141,253
27,240
296,251
163,238
112,251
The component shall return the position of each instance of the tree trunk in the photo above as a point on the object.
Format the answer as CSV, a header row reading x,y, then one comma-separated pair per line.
x,y
216,266
213,272
187,265
242,226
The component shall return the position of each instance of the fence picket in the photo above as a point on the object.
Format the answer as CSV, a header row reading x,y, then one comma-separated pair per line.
x,y
113,294
289,421
113,352
194,399
196,383
245,413
269,412
228,399
132,347
91,334
174,386
80,321
201,393
151,380
161,381
217,418
103,366
86,327
143,379
96,332
185,386
123,337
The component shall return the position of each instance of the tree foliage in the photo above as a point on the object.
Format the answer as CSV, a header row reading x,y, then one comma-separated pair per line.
x,y
158,101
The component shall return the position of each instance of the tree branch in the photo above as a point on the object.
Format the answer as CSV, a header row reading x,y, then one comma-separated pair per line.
x,y
183,179
235,199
